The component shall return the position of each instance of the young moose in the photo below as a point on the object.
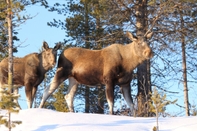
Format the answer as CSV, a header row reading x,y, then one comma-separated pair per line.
x,y
110,66
29,71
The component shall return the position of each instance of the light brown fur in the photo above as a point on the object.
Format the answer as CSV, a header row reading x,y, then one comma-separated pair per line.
x,y
29,71
110,66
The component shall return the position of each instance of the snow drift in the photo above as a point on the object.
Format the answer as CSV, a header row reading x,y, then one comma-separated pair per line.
x,y
48,120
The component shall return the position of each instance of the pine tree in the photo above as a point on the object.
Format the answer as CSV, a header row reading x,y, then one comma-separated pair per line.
x,y
193,110
7,96
159,104
176,32
8,104
56,101
59,102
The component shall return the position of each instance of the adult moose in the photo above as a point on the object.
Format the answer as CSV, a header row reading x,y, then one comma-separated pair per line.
x,y
29,71
110,66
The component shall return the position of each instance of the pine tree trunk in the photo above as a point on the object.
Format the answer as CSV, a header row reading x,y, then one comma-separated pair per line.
x,y
87,45
100,105
143,70
157,117
10,57
87,99
10,46
184,66
100,92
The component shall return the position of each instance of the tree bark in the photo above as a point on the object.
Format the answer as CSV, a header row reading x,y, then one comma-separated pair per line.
x,y
100,92
100,105
143,70
184,67
10,53
87,45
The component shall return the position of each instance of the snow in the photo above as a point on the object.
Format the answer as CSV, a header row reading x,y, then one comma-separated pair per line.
x,y
48,120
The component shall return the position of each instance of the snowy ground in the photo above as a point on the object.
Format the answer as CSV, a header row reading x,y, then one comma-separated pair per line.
x,y
48,120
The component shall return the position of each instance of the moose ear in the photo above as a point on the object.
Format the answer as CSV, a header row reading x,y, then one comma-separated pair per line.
x,y
45,46
131,37
149,35
58,46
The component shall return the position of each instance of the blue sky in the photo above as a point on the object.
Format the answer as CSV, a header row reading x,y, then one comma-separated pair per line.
x,y
34,31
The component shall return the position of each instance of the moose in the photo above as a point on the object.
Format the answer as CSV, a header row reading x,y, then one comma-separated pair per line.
x,y
29,71
109,66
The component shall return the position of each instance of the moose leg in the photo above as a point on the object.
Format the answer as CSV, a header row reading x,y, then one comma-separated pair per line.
x,y
72,88
28,92
109,91
34,90
57,80
126,90
110,97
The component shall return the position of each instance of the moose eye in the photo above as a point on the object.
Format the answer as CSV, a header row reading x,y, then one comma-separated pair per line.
x,y
47,54
139,43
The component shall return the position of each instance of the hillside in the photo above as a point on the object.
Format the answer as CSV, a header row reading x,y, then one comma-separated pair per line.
x,y
48,120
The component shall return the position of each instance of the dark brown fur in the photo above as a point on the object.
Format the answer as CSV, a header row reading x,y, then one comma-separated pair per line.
x,y
29,71
110,66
